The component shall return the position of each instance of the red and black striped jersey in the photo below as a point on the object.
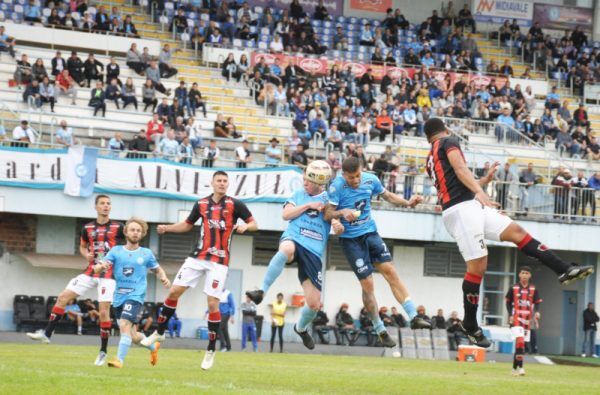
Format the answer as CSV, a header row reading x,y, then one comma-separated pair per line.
x,y
100,238
520,303
216,228
450,189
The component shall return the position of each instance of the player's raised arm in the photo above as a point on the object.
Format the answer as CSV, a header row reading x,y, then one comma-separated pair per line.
x,y
162,276
291,211
483,181
466,177
183,226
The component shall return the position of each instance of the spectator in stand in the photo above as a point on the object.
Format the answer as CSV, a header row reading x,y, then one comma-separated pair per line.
x,y
90,311
320,326
273,155
168,147
397,318
409,178
552,99
345,328
153,74
32,12
334,137
366,325
75,67
128,94
367,37
248,309
276,46
565,142
179,23
421,313
155,129
299,157
334,163
242,154
562,181
220,127
507,69
582,196
318,126
384,317
164,111
73,311
196,100
527,178
113,92
149,95
138,146
229,69
92,69
384,125
7,43
116,144
38,70
113,71
164,62
181,94
504,133
438,321
504,178
580,116
590,321
128,28
454,329
211,152
278,309
58,64
64,134
465,18
23,135
134,60
593,149
97,98
33,91
22,73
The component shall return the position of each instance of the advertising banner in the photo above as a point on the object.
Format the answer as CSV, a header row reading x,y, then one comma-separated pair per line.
x,y
48,169
370,5
497,11
562,18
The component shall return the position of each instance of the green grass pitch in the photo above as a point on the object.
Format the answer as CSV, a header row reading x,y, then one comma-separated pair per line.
x,y
55,369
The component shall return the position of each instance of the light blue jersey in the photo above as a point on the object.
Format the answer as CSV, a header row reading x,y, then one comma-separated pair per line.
x,y
309,229
130,269
340,194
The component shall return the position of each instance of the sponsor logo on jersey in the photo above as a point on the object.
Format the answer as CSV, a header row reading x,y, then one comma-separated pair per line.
x,y
360,205
311,234
216,252
127,271
123,291
216,224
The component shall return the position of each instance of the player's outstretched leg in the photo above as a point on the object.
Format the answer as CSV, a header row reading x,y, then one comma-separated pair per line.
x,y
167,311
535,249
274,270
44,335
470,287
214,322
308,313
402,296
518,369
370,303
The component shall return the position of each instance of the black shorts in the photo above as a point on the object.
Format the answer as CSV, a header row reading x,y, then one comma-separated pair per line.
x,y
309,265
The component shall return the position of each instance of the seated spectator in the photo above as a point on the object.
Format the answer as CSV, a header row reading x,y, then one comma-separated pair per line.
x,y
384,317
75,67
211,152
155,129
186,151
73,312
593,149
345,328
113,92
506,123
128,28
229,69
492,67
320,326
273,155
7,43
22,74
565,142
421,313
38,70
146,319
168,147
397,318
276,46
174,326
552,99
366,325
113,71
92,69
334,137
32,12
154,74
128,94
318,126
89,311
465,18
243,155
580,116
97,98
299,157
64,134
149,95
164,62
116,144
134,60
454,329
22,135
164,111
196,100
66,85
367,37
139,146
438,321
334,163
32,93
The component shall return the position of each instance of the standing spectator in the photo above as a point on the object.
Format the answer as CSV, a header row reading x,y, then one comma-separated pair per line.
x,y
227,309
92,69
211,152
273,153
409,178
66,86
438,321
128,94
248,309
529,179
590,320
562,192
174,326
243,156
164,62
278,309
22,135
7,43
48,93
139,146
64,134
398,318
149,95
97,98
116,144
582,195
504,178
168,146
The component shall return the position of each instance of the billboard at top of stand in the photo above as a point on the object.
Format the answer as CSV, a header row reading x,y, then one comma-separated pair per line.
x,y
563,18
497,11
334,7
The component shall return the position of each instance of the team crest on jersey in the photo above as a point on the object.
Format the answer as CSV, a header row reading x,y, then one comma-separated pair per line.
x,y
215,284
360,262
332,189
103,291
140,261
127,271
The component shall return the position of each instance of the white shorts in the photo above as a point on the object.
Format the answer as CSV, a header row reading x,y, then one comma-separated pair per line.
x,y
470,224
83,283
192,269
519,331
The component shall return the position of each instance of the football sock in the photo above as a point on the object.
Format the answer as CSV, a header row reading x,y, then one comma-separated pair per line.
x,y
378,325
150,347
79,328
214,321
470,287
519,353
55,316
307,315
274,270
409,307
104,334
166,313
124,345
534,249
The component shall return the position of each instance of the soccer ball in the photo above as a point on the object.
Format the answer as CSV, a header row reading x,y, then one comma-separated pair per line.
x,y
318,172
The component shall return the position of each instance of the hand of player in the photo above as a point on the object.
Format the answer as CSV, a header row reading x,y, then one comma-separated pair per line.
x,y
241,228
165,281
348,214
315,206
161,229
414,200
484,199
90,256
337,226
100,267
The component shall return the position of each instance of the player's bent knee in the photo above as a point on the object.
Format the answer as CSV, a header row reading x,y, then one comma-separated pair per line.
x,y
513,233
367,284
477,266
